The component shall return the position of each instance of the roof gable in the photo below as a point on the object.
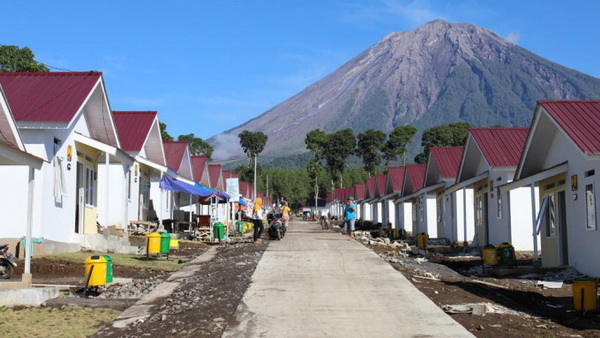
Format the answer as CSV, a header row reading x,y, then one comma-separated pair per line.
x,y
9,135
370,192
48,96
501,147
395,178
413,178
443,164
200,169
359,191
216,177
139,130
580,120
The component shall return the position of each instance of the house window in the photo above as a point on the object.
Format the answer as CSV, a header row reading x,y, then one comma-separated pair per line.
x,y
551,229
590,207
90,176
499,203
479,210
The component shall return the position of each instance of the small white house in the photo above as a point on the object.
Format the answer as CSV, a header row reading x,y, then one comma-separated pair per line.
x,y
65,119
421,220
558,165
442,168
489,160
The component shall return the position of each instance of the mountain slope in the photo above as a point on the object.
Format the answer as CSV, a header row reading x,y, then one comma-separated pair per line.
x,y
438,73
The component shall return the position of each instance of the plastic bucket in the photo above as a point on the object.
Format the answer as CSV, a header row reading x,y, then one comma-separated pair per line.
x,y
506,253
585,293
97,275
153,242
489,254
165,242
422,240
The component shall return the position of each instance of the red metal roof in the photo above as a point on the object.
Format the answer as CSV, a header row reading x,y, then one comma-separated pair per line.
x,y
447,160
501,147
133,128
579,119
416,175
214,171
47,97
174,151
244,189
198,166
359,191
396,177
380,181
370,187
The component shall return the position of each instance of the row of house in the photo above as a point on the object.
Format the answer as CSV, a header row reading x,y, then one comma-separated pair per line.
x,y
531,187
72,165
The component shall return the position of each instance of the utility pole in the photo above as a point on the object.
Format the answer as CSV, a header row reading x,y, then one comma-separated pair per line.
x,y
254,185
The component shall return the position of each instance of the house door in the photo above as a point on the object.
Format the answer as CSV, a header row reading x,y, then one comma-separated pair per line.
x,y
481,219
554,233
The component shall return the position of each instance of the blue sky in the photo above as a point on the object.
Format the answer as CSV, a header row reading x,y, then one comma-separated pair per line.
x,y
208,66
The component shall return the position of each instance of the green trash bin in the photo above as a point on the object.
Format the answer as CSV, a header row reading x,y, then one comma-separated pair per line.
x,y
239,227
165,242
506,253
218,230
109,269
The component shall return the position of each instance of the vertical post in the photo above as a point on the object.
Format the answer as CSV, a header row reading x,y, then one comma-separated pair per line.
x,y
465,216
254,185
534,223
26,278
107,187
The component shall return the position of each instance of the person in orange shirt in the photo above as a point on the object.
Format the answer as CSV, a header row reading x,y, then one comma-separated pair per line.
x,y
285,213
257,219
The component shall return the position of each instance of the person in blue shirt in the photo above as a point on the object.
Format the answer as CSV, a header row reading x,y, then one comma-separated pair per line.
x,y
350,216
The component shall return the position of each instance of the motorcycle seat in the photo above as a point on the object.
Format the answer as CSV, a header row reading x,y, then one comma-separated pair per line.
x,y
3,246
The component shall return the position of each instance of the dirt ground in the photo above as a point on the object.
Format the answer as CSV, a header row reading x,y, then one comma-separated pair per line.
x,y
514,306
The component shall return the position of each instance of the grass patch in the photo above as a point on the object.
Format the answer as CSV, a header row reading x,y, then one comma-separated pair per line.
x,y
70,321
135,261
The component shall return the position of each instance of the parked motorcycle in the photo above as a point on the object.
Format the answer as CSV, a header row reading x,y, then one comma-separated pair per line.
x,y
7,262
276,228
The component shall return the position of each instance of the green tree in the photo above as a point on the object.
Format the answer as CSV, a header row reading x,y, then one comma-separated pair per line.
x,y
197,145
253,143
397,143
315,141
338,147
370,146
163,132
449,135
15,59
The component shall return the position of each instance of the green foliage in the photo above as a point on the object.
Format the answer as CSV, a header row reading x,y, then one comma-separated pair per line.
x,y
197,145
397,143
315,142
253,143
15,59
370,146
163,132
338,147
450,135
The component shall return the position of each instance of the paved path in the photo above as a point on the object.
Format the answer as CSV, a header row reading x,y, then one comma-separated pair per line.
x,y
316,283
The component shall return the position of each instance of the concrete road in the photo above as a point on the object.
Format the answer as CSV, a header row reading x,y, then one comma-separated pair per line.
x,y
317,283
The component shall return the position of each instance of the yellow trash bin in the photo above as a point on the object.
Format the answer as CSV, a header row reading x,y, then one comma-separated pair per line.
x,y
585,293
422,240
489,254
153,240
97,275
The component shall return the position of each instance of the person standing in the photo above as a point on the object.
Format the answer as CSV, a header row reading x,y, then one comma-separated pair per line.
x,y
285,213
257,219
350,216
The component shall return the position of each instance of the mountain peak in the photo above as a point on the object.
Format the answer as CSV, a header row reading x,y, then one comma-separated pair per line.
x,y
438,73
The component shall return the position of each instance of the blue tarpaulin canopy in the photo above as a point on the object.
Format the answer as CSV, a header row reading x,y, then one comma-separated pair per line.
x,y
168,183
241,201
219,194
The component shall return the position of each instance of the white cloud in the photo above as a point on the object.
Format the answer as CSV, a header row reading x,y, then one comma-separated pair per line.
x,y
227,147
513,37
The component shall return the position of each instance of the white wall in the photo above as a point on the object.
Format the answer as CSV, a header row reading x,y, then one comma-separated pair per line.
x,y
431,216
465,218
13,200
521,219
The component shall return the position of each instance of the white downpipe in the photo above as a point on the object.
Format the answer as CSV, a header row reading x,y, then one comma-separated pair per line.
x,y
107,186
